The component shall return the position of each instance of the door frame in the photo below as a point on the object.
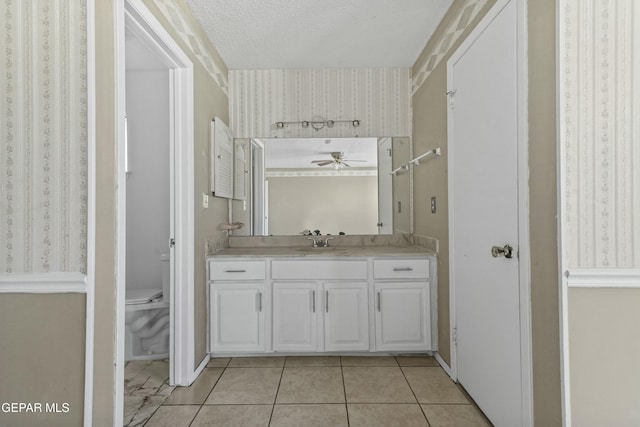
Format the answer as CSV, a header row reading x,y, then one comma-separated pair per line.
x,y
523,201
181,348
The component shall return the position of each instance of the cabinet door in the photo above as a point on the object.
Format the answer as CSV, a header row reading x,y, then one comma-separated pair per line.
x,y
346,316
402,316
237,317
295,310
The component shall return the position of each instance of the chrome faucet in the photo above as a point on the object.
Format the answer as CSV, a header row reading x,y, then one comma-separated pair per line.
x,y
319,243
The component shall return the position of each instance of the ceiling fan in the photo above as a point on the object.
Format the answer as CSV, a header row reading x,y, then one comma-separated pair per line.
x,y
337,160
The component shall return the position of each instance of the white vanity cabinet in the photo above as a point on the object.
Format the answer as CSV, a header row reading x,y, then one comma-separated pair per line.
x,y
329,313
402,304
309,304
237,306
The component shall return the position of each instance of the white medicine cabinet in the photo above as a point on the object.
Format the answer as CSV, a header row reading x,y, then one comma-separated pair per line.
x,y
228,163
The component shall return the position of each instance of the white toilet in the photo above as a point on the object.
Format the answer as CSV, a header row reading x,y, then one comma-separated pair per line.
x,y
147,320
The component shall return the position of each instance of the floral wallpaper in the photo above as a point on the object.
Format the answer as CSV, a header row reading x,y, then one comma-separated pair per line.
x,y
43,134
380,98
600,132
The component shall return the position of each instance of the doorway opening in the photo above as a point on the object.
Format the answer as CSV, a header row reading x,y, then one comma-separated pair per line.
x,y
155,237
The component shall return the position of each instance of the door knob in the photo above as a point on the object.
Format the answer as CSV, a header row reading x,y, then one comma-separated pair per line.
x,y
505,251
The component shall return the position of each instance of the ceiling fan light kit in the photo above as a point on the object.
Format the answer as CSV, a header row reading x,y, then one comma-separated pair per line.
x,y
337,161
317,123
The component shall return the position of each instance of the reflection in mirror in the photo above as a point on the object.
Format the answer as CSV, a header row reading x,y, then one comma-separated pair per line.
x,y
334,185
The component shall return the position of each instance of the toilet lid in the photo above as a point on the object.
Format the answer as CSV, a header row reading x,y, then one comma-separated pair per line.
x,y
141,296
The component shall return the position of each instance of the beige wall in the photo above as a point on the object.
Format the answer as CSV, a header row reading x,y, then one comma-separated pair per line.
x,y
543,213
105,282
330,204
430,130
42,356
604,350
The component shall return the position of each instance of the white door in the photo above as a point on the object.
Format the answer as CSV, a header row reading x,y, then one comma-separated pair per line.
x,y
346,316
483,197
295,314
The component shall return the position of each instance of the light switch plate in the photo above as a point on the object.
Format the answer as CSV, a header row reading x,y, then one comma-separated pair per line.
x,y
205,200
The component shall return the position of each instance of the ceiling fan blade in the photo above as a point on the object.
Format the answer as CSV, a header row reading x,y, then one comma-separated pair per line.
x,y
351,160
323,162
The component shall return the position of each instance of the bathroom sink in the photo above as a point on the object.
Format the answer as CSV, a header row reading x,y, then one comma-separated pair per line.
x,y
322,249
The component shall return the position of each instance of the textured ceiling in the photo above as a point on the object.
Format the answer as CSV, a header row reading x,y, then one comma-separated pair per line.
x,y
297,153
267,34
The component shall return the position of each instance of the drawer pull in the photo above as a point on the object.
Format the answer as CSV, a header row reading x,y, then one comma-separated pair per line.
x,y
313,301
235,271
402,269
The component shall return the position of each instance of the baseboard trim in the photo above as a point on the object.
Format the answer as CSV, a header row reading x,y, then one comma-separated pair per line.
x,y
442,363
200,367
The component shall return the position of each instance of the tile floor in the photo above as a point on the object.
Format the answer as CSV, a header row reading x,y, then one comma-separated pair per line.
x,y
302,391
146,387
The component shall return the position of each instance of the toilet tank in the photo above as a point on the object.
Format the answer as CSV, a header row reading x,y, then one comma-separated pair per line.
x,y
166,278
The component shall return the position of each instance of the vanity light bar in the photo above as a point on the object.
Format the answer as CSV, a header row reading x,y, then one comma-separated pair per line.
x,y
317,124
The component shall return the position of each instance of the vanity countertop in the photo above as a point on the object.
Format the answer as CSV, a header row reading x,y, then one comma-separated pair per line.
x,y
332,251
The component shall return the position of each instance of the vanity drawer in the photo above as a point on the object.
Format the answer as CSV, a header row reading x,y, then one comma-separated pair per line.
x,y
237,270
319,269
413,268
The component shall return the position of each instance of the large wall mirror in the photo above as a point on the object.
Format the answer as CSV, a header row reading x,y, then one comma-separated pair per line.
x,y
334,185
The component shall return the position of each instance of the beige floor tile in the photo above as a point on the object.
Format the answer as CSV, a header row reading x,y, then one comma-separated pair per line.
x,y
311,385
218,362
368,361
417,361
131,406
197,392
233,415
173,416
454,416
309,416
256,362
134,367
246,386
382,415
149,406
298,361
165,389
376,385
432,385
131,385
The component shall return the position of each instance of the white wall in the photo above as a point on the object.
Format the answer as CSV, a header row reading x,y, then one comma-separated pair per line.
x,y
378,97
148,180
329,204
